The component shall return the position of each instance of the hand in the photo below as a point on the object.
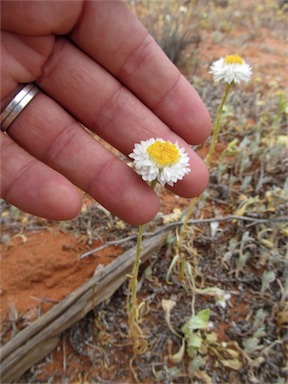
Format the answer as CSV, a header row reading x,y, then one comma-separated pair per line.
x,y
98,68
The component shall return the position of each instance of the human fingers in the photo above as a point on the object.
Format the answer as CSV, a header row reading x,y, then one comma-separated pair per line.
x,y
112,36
120,43
106,107
42,137
52,136
82,160
183,186
34,187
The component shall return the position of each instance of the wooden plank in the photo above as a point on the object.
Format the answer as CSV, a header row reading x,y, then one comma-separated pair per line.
x,y
41,337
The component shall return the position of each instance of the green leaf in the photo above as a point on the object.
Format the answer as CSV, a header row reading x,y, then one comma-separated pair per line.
x,y
251,345
192,352
196,363
260,333
194,341
199,321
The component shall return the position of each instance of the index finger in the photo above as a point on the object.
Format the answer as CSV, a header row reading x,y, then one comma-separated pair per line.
x,y
120,43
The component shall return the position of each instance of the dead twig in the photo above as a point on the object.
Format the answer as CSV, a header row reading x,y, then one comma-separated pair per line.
x,y
167,227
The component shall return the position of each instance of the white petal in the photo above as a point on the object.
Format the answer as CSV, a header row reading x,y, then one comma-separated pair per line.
x,y
150,171
230,72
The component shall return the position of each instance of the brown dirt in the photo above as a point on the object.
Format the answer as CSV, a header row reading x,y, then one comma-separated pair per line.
x,y
42,268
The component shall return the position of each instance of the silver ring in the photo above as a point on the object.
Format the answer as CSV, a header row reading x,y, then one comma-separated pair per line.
x,y
17,104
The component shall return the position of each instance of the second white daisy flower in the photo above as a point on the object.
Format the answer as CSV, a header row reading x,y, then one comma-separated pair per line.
x,y
156,159
231,69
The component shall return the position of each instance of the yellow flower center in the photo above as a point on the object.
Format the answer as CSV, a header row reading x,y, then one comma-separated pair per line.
x,y
163,153
233,59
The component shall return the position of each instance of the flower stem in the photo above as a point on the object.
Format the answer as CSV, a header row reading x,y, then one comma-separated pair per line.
x,y
216,130
133,307
135,332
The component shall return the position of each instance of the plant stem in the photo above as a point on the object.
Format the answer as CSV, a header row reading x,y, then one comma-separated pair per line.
x,y
135,332
216,130
133,307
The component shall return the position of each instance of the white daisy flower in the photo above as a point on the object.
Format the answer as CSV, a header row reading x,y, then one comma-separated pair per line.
x,y
156,159
231,69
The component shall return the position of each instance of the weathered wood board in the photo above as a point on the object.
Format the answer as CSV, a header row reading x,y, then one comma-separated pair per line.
x,y
42,336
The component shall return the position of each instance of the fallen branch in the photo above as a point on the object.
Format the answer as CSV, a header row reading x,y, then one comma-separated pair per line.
x,y
168,227
41,337
252,220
